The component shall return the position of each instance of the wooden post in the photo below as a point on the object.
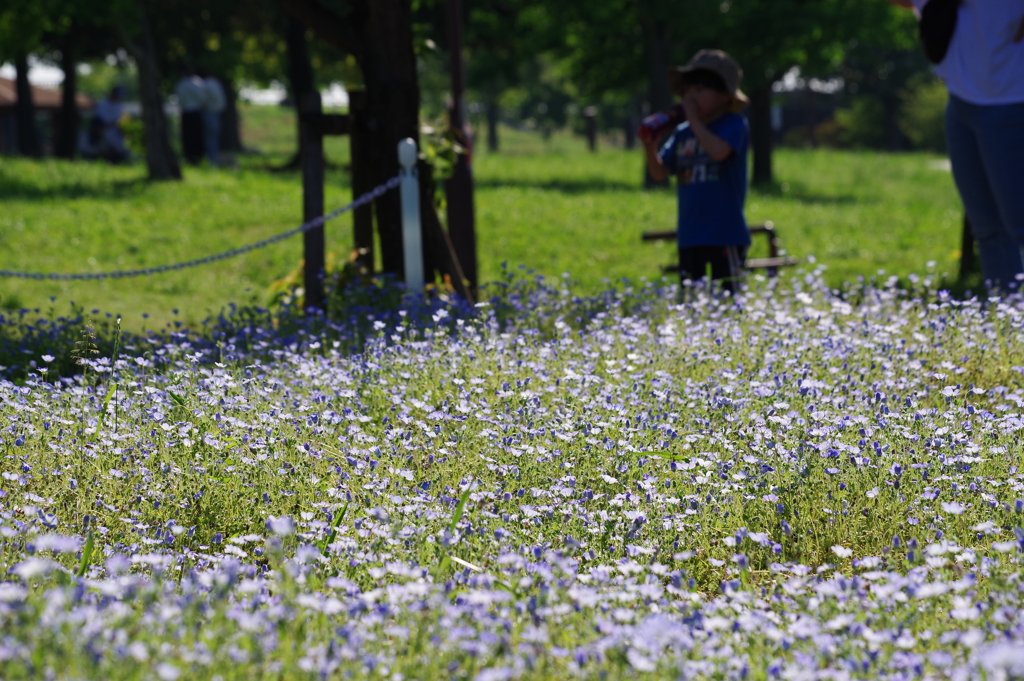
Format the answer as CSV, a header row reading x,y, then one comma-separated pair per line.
x,y
362,179
590,117
412,229
459,189
311,151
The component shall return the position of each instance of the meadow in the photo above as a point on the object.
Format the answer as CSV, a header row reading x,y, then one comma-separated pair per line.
x,y
789,485
817,479
550,206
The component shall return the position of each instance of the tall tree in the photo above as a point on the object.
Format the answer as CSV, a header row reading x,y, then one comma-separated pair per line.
x,y
22,24
137,34
770,38
80,30
25,112
65,137
378,33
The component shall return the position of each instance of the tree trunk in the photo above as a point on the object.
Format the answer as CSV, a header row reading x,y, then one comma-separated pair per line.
x,y
492,125
438,250
761,133
459,187
231,125
300,73
362,182
379,34
160,159
658,38
392,106
25,111
65,138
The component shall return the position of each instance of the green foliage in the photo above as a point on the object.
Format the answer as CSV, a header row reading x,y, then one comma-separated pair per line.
x,y
922,115
862,125
101,76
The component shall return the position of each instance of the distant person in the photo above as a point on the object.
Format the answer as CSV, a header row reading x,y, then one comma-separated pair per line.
x,y
213,109
191,100
708,154
103,137
983,69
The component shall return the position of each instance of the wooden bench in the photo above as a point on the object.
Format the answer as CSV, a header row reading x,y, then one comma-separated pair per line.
x,y
771,264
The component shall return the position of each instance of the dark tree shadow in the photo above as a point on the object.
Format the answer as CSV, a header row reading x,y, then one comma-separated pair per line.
x,y
795,191
563,186
14,187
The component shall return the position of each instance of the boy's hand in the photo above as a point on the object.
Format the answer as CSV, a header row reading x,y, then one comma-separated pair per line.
x,y
655,167
690,107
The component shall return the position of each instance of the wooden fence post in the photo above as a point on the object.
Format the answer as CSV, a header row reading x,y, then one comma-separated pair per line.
x,y
311,151
362,217
459,188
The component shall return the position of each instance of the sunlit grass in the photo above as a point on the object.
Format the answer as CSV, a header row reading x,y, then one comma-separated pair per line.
x,y
551,206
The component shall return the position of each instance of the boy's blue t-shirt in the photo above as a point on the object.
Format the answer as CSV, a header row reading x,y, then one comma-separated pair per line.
x,y
711,193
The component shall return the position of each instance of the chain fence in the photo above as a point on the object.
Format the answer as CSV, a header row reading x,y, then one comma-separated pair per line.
x,y
366,198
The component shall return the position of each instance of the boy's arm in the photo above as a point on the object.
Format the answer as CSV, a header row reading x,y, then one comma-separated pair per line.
x,y
714,146
655,167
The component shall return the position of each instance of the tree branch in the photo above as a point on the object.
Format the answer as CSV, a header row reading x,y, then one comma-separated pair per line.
x,y
325,24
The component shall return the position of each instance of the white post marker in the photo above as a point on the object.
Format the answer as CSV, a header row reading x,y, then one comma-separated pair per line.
x,y
412,238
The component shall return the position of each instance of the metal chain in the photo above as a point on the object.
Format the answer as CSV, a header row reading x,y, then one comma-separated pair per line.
x,y
366,198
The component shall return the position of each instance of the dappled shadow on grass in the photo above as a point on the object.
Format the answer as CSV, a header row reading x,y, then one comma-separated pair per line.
x,y
795,191
565,186
15,187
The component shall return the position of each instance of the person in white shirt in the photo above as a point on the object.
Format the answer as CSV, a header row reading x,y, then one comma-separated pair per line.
x,y
213,107
191,100
984,72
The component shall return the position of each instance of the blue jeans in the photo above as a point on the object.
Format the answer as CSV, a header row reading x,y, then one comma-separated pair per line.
x,y
986,149
211,136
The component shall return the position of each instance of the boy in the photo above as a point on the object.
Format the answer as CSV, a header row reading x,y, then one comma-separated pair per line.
x,y
708,154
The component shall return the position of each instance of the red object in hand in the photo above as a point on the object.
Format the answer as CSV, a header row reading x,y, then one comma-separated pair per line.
x,y
656,125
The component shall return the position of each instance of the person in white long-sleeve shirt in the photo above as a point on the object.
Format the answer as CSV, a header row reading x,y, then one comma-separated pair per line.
x,y
984,72
213,107
191,99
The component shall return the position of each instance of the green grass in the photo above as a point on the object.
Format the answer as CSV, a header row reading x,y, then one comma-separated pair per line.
x,y
570,211
551,206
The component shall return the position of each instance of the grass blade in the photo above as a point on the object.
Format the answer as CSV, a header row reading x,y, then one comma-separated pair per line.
x,y
106,405
83,565
334,529
459,508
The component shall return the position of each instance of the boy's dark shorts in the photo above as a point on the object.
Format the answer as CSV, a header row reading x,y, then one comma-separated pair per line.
x,y
726,264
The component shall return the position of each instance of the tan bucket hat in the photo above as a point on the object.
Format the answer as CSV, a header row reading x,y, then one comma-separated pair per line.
x,y
715,61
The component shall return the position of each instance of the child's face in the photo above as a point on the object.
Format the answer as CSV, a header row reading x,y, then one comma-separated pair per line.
x,y
710,103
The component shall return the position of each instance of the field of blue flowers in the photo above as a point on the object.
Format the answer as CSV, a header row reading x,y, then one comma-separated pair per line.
x,y
799,483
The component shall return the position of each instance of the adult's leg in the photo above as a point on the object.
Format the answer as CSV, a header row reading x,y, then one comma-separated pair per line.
x,y
211,135
192,126
197,141
1001,142
999,251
